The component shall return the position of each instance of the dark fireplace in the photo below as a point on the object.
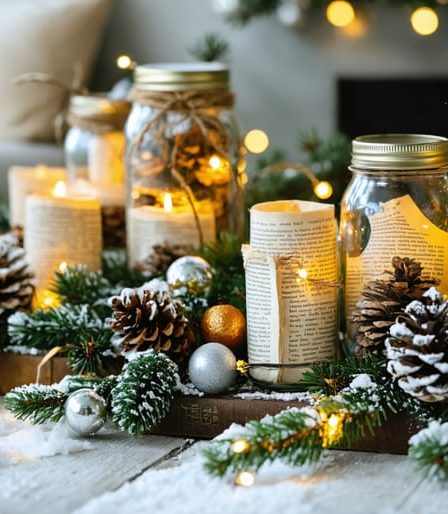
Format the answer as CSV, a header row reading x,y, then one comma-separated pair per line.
x,y
369,106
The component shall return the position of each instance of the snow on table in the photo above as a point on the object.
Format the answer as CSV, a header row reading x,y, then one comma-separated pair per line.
x,y
115,473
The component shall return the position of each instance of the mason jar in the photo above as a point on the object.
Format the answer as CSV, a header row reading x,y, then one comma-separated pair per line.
x,y
94,157
396,206
182,157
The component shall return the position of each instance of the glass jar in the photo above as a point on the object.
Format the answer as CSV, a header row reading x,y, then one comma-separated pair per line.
x,y
94,157
396,205
182,156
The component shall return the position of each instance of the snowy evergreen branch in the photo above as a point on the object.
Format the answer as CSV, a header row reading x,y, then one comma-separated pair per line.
x,y
299,435
55,327
429,450
143,394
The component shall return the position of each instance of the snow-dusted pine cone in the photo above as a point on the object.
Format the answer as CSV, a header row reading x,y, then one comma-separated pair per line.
x,y
417,348
16,279
145,318
383,300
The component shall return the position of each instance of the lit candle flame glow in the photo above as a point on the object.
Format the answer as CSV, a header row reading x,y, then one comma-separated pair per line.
x,y
167,202
60,189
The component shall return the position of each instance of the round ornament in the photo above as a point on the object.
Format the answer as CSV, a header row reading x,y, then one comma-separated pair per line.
x,y
85,412
189,274
224,324
212,368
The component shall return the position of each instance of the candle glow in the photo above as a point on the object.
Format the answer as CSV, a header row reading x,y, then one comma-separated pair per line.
x,y
60,189
167,202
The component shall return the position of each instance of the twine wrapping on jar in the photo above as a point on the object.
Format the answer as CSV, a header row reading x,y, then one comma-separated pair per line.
x,y
194,105
98,123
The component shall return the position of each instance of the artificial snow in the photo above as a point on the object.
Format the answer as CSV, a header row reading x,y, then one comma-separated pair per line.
x,y
275,395
435,431
23,350
362,381
36,441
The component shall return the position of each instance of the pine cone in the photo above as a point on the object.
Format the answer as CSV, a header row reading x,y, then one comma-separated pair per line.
x,y
146,319
383,300
161,258
417,348
16,280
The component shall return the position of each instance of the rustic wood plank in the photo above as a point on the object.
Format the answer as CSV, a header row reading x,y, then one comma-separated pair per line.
x,y
63,483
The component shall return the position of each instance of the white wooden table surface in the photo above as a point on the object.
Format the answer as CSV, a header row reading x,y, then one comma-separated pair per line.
x,y
360,482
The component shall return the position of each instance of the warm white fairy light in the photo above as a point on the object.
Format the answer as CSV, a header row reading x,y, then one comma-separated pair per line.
x,y
124,62
215,162
245,479
60,189
323,190
167,202
63,267
240,446
302,274
424,21
256,141
340,13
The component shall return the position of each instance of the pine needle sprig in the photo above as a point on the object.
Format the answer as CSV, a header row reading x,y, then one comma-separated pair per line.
x,y
92,355
117,273
77,285
45,329
429,451
332,376
143,394
37,403
211,47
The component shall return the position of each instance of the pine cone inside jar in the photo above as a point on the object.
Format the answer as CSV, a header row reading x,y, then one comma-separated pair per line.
x,y
144,319
161,258
383,300
417,348
16,279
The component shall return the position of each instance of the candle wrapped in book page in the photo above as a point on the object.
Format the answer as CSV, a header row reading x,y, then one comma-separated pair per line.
x,y
291,288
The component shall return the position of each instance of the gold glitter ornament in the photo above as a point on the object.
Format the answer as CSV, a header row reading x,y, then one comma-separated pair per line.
x,y
224,324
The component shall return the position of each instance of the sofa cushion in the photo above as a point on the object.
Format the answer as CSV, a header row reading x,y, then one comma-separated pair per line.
x,y
46,36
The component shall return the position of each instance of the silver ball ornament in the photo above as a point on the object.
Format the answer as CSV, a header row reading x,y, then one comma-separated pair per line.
x,y
189,274
212,368
85,412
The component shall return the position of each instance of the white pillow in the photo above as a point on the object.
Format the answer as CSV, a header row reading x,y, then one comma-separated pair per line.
x,y
47,36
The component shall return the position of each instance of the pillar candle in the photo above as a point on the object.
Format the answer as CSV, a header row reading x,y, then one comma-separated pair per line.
x,y
150,225
62,228
23,181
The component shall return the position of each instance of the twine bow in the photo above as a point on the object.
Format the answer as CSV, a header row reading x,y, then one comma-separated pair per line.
x,y
194,106
76,88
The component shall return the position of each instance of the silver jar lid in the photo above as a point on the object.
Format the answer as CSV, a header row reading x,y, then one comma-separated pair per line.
x,y
400,152
182,76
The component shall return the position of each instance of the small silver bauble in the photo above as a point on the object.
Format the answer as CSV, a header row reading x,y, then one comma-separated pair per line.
x,y
212,368
189,274
85,412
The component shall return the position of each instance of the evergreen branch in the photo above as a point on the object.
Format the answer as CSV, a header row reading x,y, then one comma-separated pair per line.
x,y
118,274
78,285
89,354
212,47
332,376
143,394
55,327
42,404
297,436
38,403
249,9
429,451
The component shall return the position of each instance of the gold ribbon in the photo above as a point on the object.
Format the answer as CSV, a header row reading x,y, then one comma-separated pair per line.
x,y
76,88
54,351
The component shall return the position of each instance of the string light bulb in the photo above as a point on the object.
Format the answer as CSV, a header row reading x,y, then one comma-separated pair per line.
x,y
63,267
323,190
60,189
124,62
340,13
302,274
256,141
167,202
424,21
215,162
240,446
245,479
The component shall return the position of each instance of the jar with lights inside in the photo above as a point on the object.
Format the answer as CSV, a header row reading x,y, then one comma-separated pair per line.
x,y
183,159
94,156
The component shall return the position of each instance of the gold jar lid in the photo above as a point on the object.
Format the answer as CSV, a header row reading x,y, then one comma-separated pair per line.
x,y
182,76
400,152
98,105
